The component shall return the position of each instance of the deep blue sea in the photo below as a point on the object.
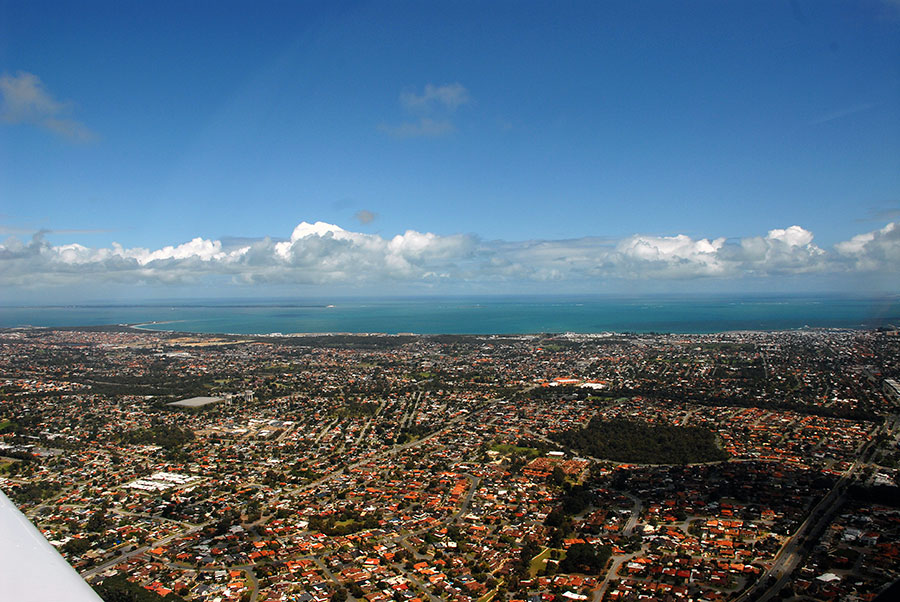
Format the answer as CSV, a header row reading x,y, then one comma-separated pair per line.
x,y
483,315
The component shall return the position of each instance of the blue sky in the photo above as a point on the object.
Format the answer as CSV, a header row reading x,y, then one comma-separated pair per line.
x,y
158,148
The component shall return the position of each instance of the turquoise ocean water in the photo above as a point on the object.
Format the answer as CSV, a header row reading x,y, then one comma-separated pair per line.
x,y
486,315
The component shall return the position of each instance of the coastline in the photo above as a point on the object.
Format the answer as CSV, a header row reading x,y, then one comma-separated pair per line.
x,y
567,334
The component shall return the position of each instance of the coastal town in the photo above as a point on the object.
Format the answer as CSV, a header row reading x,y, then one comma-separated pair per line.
x,y
549,467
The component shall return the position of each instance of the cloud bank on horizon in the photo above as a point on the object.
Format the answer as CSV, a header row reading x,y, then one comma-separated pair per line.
x,y
324,254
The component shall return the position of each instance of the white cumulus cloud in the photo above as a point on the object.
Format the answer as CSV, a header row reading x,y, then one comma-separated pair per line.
x,y
670,256
788,250
876,250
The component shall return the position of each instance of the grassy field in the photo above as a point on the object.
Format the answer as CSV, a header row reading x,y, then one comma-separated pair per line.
x,y
505,448
5,463
537,563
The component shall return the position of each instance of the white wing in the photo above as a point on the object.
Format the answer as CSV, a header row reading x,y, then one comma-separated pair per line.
x,y
30,568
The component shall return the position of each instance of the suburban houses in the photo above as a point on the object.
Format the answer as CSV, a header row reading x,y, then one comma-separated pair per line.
x,y
364,467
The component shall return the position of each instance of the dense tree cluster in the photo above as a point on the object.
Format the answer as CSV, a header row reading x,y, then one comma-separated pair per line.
x,y
628,441
119,589
412,432
585,558
348,521
356,408
164,435
32,491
